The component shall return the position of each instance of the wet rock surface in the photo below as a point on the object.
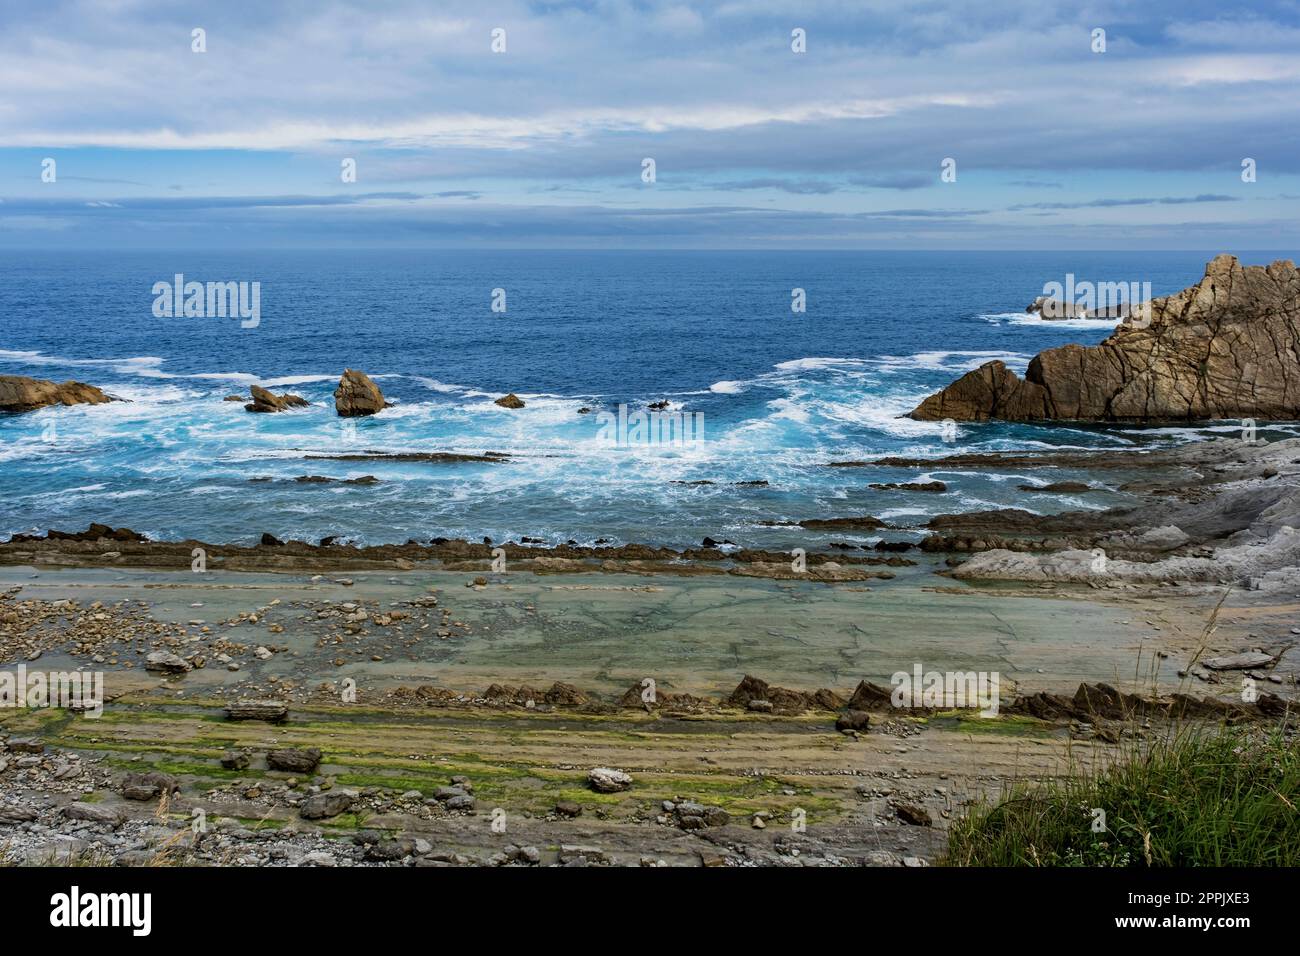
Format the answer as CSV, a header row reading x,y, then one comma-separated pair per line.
x,y
265,401
21,394
358,395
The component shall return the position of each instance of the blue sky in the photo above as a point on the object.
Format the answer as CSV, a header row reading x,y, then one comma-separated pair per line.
x,y
755,146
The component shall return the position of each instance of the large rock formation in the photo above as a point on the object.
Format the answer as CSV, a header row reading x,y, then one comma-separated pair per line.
x,y
358,395
21,394
1228,347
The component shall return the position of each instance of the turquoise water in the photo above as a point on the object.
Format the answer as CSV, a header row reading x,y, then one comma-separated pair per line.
x,y
780,393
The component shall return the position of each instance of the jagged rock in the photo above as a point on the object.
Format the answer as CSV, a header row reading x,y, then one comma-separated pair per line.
x,y
1103,700
358,395
21,394
321,806
95,813
1093,701
1271,705
605,780
265,401
564,695
1227,347
146,786
390,850
510,401
860,522
1059,487
858,720
294,760
911,813
780,700
234,760
990,391
695,816
325,480
164,662
869,696
635,697
909,486
95,532
560,694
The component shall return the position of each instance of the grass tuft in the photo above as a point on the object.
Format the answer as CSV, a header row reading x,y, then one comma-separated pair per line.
x,y
1197,797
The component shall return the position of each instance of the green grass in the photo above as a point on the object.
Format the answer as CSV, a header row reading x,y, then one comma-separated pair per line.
x,y
1194,798
1011,726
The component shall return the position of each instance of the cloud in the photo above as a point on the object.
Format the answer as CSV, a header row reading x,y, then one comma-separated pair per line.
x,y
1112,203
894,181
251,132
803,187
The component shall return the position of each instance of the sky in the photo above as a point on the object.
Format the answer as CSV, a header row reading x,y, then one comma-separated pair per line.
x,y
1057,140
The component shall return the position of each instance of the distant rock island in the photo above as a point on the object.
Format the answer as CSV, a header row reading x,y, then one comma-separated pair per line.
x,y
1051,309
1227,347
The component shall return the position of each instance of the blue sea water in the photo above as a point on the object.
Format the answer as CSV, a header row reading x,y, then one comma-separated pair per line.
x,y
780,393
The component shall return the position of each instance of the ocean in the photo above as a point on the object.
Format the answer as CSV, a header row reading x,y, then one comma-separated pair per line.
x,y
778,393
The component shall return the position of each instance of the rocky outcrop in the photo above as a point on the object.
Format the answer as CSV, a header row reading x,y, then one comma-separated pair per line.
x,y
780,700
909,486
148,785
21,394
271,711
94,532
510,401
1227,347
1052,309
266,401
605,780
292,760
357,395
322,806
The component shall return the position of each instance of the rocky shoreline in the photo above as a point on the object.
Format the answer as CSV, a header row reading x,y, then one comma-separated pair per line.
x,y
1227,347
316,704
1215,512
278,799
237,714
